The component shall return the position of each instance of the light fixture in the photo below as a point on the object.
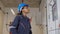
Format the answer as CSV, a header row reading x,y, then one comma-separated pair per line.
x,y
12,11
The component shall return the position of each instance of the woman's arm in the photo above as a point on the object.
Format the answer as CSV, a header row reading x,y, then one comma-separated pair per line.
x,y
14,25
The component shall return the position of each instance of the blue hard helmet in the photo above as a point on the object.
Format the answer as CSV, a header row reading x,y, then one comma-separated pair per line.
x,y
20,6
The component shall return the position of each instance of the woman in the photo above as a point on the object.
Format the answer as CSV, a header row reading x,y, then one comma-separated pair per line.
x,y
21,23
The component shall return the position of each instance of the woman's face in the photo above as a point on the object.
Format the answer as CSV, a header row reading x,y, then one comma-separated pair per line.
x,y
26,9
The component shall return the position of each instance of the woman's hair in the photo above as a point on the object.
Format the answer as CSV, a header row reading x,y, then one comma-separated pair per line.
x,y
20,13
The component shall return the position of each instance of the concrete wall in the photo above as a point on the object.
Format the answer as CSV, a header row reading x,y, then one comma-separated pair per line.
x,y
36,29
58,23
53,26
43,8
1,21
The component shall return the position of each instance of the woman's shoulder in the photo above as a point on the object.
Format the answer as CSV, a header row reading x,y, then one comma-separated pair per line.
x,y
18,16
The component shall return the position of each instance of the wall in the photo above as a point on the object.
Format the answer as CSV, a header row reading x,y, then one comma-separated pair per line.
x,y
43,10
58,9
1,18
53,26
36,29
1,21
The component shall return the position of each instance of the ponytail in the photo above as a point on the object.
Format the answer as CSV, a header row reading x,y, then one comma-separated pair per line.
x,y
20,13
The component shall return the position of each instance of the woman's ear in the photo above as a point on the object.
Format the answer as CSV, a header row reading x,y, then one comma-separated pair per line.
x,y
22,10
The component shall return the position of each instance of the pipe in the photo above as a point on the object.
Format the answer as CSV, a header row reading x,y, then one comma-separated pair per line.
x,y
22,1
46,17
39,4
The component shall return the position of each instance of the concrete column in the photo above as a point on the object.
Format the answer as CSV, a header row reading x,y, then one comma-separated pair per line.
x,y
1,21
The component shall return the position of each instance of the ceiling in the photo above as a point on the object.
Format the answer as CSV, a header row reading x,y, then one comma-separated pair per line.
x,y
14,3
